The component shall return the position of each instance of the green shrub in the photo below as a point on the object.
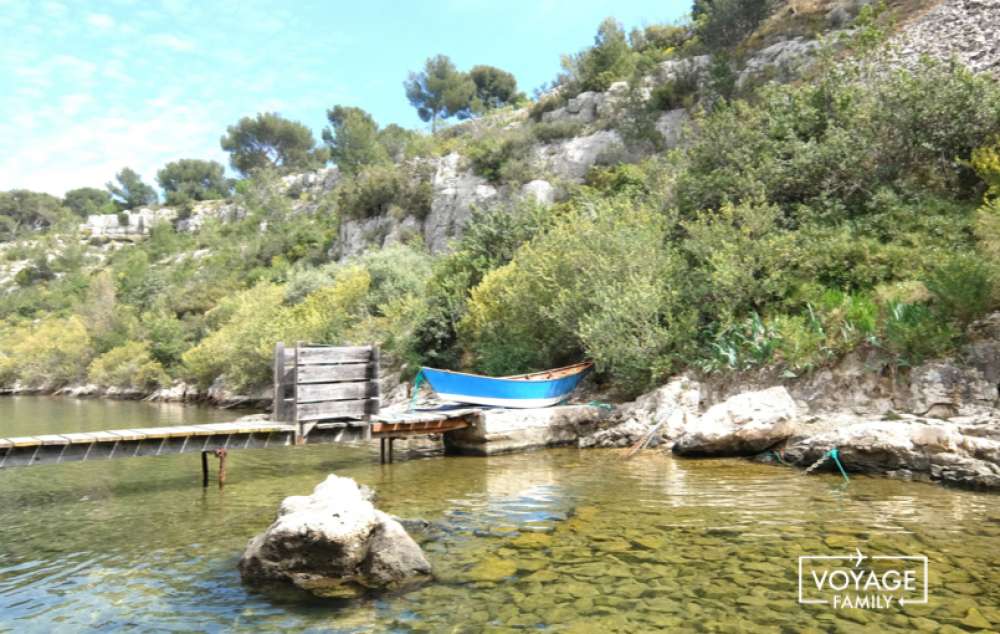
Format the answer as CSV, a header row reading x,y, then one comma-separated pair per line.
x,y
491,154
741,258
382,189
831,144
723,24
168,337
50,354
610,59
987,228
546,103
579,289
912,333
962,288
801,340
491,239
129,367
556,130
621,179
252,322
740,346
986,161
680,92
662,38
395,272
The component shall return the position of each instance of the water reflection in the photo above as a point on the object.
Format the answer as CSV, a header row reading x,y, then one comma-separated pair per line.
x,y
556,539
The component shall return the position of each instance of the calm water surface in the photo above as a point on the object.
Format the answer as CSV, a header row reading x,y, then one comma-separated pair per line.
x,y
563,540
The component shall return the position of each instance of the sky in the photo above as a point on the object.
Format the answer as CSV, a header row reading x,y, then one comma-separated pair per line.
x,y
87,88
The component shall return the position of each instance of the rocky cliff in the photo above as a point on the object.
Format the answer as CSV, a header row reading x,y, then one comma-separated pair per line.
x,y
961,30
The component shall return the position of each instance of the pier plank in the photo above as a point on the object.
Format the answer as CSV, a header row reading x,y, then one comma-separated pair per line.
x,y
24,441
314,356
333,373
52,439
335,392
333,409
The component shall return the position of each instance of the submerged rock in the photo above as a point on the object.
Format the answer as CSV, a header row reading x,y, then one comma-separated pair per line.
x,y
334,543
744,424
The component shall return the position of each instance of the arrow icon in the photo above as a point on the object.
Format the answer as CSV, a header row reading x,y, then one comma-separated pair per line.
x,y
860,557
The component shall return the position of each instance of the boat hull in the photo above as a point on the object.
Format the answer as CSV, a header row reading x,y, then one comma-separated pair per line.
x,y
516,393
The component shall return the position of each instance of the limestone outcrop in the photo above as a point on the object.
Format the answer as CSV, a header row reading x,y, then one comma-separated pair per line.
x,y
670,407
963,454
742,425
334,543
963,30
938,421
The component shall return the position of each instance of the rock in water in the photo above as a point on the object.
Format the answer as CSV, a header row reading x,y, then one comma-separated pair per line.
x,y
334,543
743,425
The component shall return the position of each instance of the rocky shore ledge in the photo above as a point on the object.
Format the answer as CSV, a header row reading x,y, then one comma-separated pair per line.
x,y
938,421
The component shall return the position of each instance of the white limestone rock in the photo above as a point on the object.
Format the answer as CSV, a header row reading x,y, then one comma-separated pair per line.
x,y
334,543
744,424
540,190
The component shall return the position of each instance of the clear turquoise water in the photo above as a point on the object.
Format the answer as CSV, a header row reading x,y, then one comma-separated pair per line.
x,y
558,540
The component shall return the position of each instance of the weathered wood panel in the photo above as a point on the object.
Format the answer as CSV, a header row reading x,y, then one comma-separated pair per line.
x,y
311,393
418,428
333,409
284,374
313,356
333,373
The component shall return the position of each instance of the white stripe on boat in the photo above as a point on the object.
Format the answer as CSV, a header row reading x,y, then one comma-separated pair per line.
x,y
514,403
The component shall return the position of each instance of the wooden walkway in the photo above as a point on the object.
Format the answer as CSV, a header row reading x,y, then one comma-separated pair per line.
x,y
323,394
157,441
388,426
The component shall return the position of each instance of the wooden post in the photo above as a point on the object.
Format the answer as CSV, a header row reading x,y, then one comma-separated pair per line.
x,y
300,438
204,469
222,453
374,375
280,407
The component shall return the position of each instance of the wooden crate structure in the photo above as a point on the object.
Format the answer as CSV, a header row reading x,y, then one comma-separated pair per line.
x,y
320,384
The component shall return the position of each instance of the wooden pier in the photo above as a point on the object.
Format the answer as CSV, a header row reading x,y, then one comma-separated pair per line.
x,y
323,394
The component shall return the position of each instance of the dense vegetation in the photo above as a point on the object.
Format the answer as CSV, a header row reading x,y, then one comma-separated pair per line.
x,y
803,220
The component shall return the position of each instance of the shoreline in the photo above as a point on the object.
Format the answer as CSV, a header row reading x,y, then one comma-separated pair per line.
x,y
180,393
938,423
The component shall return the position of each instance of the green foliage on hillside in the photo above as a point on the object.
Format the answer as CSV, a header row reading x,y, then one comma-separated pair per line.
x,y
129,191
353,139
84,201
270,141
188,180
22,211
439,91
860,208
724,23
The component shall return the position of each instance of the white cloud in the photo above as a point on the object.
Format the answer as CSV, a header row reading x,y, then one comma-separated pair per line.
x,y
92,149
54,8
166,40
79,68
72,104
101,21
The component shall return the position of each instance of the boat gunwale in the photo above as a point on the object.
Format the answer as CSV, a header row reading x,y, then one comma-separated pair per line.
x,y
578,368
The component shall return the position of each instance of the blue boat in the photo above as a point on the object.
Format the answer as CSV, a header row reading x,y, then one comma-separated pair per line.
x,y
538,389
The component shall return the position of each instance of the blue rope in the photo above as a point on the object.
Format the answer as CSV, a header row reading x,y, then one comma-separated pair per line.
x,y
417,380
835,454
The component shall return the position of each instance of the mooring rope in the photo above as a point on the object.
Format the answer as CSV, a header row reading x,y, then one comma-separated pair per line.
x,y
417,380
835,455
